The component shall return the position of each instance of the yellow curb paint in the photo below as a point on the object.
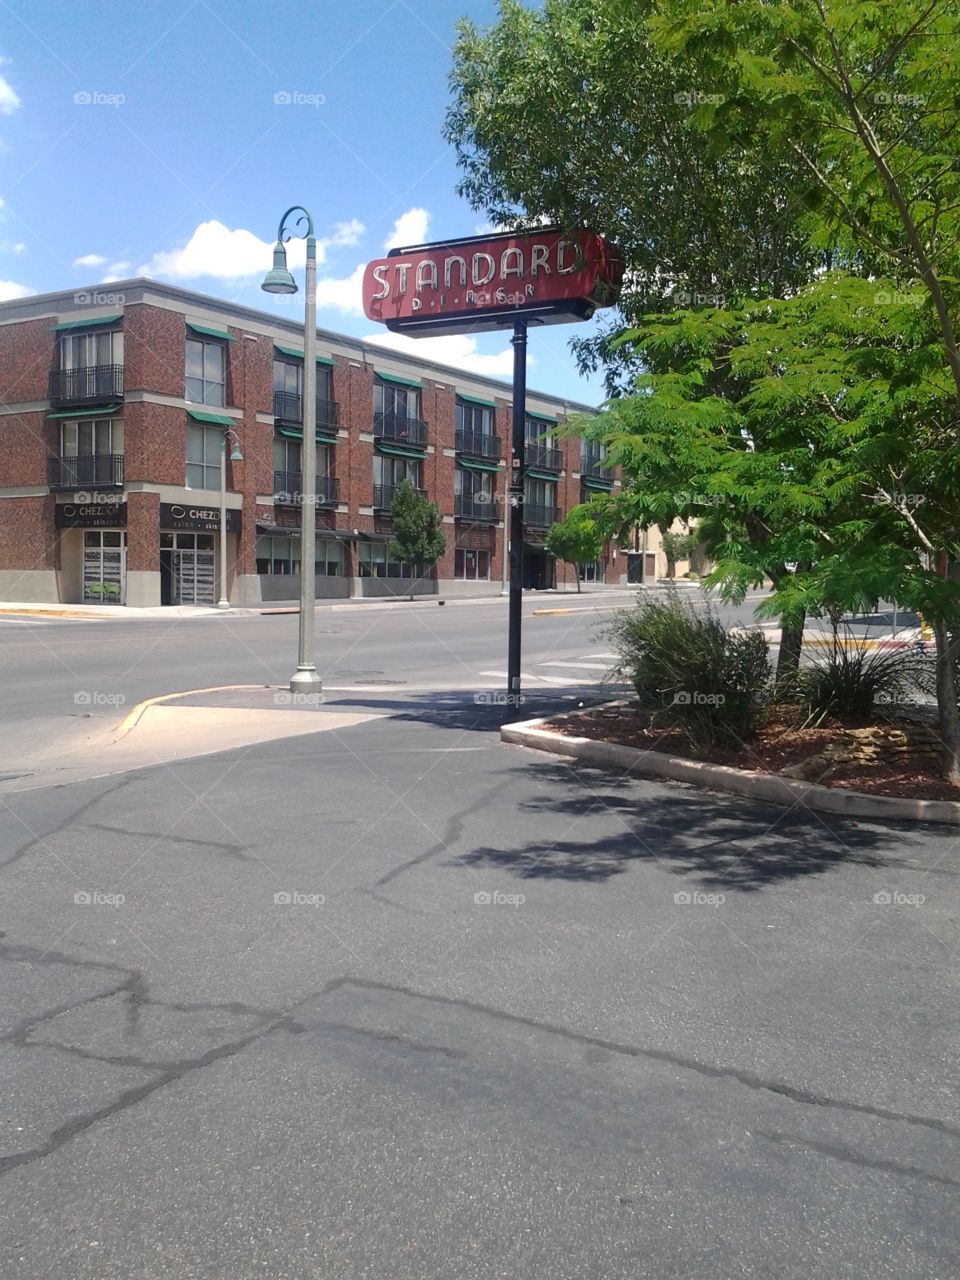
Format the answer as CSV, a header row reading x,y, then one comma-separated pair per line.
x,y
54,613
550,613
134,714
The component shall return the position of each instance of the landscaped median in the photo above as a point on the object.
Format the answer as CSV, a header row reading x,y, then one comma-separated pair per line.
x,y
559,735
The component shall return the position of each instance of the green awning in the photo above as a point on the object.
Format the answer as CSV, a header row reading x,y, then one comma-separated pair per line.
x,y
101,411
471,464
396,451
401,382
298,355
594,482
541,417
86,324
296,433
214,419
487,404
207,332
550,476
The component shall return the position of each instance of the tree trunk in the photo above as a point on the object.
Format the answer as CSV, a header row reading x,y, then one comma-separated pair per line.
x,y
791,644
576,570
947,703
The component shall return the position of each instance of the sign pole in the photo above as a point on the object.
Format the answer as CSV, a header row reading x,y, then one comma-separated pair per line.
x,y
517,471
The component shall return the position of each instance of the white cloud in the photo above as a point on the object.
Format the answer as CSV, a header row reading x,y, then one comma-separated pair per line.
x,y
12,246
9,289
90,260
216,250
456,349
344,294
409,229
345,233
9,100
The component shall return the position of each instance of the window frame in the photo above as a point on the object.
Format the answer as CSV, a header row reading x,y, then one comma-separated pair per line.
x,y
208,386
208,434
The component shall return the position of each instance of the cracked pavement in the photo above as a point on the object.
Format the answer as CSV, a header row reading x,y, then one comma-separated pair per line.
x,y
256,1022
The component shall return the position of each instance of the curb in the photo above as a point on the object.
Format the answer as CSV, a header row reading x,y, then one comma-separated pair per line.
x,y
132,718
771,787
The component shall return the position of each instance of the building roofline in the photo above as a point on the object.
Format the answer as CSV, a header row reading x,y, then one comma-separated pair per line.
x,y
66,300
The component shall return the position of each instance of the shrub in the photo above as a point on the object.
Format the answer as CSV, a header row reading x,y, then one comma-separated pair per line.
x,y
682,662
849,679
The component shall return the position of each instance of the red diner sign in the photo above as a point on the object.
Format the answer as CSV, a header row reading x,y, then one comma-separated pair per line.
x,y
486,282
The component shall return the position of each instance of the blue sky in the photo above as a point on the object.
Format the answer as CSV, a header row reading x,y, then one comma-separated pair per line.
x,y
166,137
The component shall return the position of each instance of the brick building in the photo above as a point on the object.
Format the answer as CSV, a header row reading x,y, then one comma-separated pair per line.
x,y
115,407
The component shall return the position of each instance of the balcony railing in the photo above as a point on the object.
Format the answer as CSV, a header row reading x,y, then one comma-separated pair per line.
x,y
394,426
596,469
468,507
91,384
88,471
536,516
287,488
543,455
476,444
383,495
288,407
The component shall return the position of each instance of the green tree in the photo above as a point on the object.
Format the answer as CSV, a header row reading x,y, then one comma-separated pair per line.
x,y
417,533
677,546
575,539
568,112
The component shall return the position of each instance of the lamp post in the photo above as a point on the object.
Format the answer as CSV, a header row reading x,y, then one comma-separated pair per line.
x,y
235,456
279,280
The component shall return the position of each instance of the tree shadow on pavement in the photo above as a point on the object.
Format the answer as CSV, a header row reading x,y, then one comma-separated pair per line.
x,y
727,842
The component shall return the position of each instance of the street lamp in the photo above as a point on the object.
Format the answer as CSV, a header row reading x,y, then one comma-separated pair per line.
x,y
279,280
235,456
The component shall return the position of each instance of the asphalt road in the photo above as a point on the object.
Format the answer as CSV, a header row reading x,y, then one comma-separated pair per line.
x,y
397,1001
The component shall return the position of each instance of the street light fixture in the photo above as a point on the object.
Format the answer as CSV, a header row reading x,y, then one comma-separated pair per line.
x,y
235,456
279,280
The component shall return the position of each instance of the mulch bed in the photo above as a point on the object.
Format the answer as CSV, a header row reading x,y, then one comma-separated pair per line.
x,y
779,744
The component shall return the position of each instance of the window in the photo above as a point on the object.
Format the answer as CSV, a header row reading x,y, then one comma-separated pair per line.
x,y
540,493
206,372
91,348
390,471
474,487
277,554
204,447
474,419
592,572
534,430
592,455
86,439
288,378
395,401
375,562
474,566
288,457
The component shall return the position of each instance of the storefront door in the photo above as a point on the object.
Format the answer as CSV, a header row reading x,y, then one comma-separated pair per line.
x,y
104,566
187,568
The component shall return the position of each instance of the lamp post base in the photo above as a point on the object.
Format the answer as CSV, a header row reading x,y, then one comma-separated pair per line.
x,y
223,604
305,680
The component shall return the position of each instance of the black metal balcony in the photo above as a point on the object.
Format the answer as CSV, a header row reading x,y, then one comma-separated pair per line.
x,y
88,471
383,495
394,426
467,506
477,444
288,409
91,384
595,468
287,488
536,516
544,456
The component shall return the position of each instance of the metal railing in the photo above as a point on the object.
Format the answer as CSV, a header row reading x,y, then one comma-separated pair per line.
x,y
87,471
537,516
90,384
595,468
383,495
287,488
477,444
394,426
468,507
288,407
543,455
